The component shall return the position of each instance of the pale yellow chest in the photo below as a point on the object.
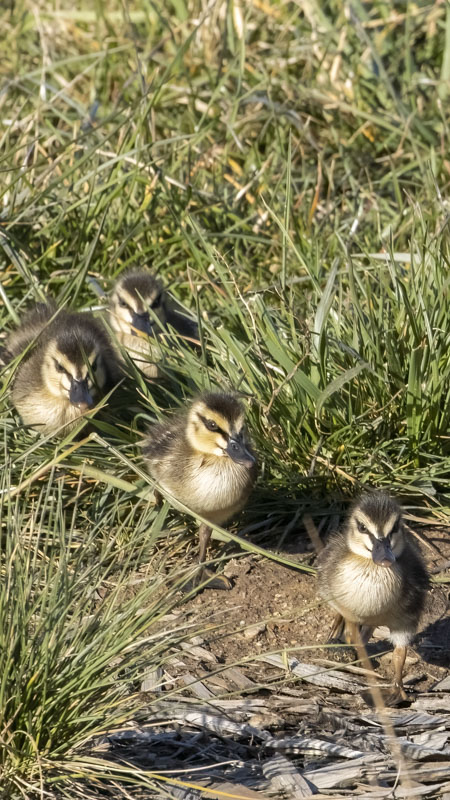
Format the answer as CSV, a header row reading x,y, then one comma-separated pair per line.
x,y
364,592
215,490
47,413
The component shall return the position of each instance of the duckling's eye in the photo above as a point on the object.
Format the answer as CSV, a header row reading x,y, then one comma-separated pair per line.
x,y
123,303
362,528
156,302
211,425
59,367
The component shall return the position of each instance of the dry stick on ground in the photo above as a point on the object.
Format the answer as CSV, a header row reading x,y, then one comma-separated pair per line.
x,y
440,567
313,534
374,690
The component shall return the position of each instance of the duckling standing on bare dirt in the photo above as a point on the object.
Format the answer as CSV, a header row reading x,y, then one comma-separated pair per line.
x,y
70,364
131,298
204,458
372,574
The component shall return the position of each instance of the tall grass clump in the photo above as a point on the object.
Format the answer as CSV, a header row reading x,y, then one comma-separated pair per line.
x,y
352,371
75,638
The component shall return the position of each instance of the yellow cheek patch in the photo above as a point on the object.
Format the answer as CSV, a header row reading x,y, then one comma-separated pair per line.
x,y
66,381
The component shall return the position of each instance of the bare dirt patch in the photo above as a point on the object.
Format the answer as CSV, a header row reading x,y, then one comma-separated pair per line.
x,y
255,702
273,608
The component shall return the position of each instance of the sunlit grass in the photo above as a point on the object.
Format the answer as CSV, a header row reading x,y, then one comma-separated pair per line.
x,y
284,169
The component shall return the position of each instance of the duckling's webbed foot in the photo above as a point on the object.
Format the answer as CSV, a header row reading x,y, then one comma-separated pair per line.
x,y
158,497
215,581
397,697
207,579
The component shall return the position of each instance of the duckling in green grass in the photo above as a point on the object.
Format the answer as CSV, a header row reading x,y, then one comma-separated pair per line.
x,y
70,363
204,458
132,297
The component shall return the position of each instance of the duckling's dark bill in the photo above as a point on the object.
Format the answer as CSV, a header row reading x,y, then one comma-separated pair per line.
x,y
240,454
382,553
141,322
79,394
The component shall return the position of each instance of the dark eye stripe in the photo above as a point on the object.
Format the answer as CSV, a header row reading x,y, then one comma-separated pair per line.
x,y
60,368
124,303
216,430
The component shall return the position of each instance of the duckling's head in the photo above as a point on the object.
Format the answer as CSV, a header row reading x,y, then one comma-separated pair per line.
x,y
73,365
375,528
131,298
216,427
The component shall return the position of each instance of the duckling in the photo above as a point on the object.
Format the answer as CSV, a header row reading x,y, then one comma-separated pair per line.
x,y
372,574
204,458
70,364
133,295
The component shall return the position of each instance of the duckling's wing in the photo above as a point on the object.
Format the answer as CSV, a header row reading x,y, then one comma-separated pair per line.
x,y
328,561
161,441
33,323
335,548
417,581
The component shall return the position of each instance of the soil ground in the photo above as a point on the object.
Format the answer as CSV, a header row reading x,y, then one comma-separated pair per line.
x,y
271,608
237,717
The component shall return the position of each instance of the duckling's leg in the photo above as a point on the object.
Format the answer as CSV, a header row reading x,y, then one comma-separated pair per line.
x,y
366,633
337,627
398,662
204,535
216,581
352,634
337,631
358,636
158,497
